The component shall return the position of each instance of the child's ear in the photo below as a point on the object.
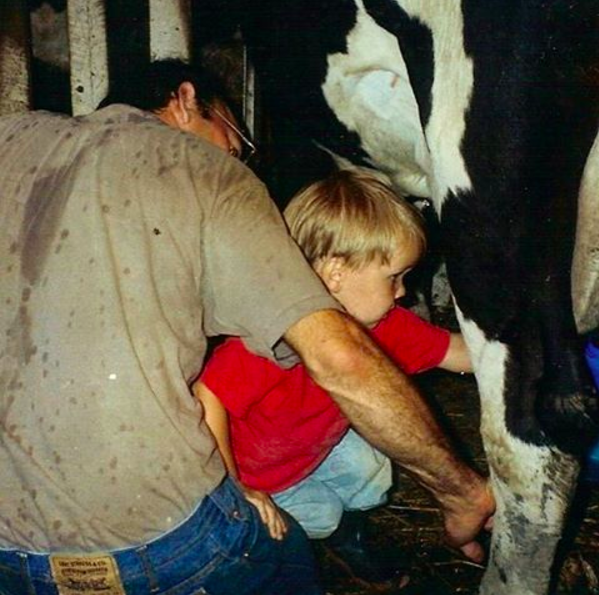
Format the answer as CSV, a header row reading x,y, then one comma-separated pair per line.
x,y
332,271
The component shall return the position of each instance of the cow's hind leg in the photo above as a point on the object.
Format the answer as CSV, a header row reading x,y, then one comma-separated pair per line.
x,y
532,485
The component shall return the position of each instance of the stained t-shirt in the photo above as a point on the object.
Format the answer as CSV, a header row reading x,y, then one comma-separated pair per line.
x,y
124,244
282,424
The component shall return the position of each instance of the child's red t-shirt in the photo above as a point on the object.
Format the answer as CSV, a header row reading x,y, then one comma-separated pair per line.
x,y
282,423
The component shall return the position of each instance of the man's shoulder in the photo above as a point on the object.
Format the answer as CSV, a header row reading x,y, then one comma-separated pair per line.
x,y
33,118
111,115
120,113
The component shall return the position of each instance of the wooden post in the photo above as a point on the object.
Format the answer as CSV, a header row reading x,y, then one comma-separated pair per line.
x,y
15,88
88,53
170,29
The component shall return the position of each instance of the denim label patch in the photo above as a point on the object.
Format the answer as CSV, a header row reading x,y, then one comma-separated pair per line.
x,y
86,575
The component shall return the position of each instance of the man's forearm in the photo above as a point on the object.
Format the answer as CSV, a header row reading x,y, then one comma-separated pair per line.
x,y
381,403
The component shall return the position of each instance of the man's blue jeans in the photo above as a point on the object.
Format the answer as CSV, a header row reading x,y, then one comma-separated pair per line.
x,y
222,549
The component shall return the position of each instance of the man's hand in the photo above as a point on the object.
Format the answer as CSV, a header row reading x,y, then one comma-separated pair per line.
x,y
269,513
465,519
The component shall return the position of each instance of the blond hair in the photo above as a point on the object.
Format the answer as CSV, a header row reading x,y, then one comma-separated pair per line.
x,y
354,215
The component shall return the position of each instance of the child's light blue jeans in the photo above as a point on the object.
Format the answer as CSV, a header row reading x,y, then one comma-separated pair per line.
x,y
355,476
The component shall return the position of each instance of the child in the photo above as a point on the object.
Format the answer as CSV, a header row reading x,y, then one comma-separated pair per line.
x,y
285,439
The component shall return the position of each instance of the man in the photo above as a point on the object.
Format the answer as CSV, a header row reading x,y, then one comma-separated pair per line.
x,y
128,237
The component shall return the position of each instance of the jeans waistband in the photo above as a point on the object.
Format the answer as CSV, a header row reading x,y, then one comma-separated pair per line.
x,y
225,499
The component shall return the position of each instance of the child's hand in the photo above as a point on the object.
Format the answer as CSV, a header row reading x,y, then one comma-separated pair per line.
x,y
269,513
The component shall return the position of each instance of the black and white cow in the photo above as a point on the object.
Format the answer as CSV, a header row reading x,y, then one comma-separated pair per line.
x,y
481,105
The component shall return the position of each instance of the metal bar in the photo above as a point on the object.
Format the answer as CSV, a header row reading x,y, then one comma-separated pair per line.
x,y
249,94
88,54
170,30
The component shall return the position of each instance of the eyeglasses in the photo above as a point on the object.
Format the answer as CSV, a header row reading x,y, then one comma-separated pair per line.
x,y
248,148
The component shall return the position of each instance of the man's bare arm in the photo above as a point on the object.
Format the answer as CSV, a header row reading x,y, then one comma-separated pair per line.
x,y
387,409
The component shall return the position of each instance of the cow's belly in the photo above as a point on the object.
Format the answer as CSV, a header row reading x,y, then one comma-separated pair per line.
x,y
532,484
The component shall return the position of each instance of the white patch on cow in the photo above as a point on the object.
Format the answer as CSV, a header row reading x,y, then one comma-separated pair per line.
x,y
451,93
519,469
369,91
585,267
531,484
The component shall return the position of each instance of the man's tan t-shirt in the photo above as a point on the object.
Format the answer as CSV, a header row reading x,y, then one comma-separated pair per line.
x,y
124,244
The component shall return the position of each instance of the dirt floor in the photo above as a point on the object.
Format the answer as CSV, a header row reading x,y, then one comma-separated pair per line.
x,y
412,521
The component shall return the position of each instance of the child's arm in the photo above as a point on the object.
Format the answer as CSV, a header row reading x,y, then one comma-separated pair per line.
x,y
217,420
457,358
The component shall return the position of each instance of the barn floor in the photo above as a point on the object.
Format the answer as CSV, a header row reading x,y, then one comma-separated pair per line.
x,y
412,521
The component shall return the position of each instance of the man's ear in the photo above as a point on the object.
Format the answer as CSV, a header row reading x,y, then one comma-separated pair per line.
x,y
183,103
332,271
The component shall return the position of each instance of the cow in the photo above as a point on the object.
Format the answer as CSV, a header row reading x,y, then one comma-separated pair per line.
x,y
484,107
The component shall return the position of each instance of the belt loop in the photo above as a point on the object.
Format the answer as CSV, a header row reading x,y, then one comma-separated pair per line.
x,y
25,574
149,570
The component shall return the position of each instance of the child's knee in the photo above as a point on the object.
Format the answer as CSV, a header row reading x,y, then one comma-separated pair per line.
x,y
371,491
378,466
373,468
383,474
325,520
